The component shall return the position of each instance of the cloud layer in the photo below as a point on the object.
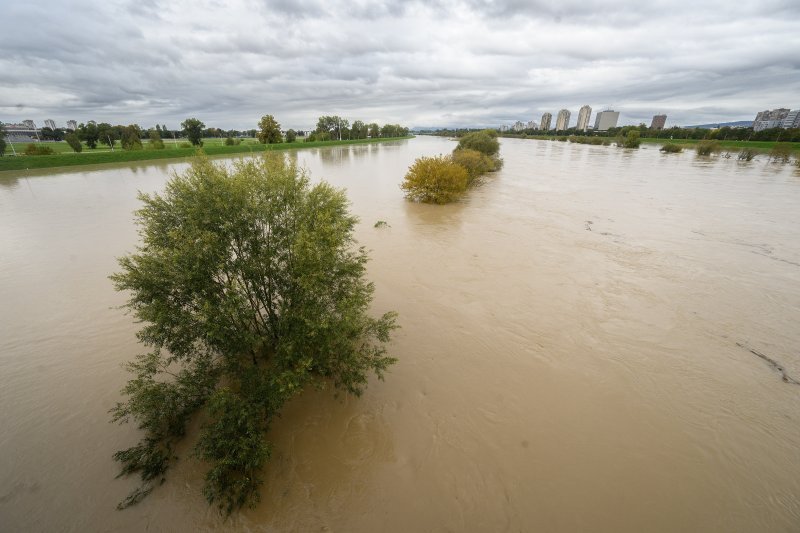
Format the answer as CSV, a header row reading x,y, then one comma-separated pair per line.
x,y
431,63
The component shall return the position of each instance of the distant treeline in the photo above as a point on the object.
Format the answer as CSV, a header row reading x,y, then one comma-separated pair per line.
x,y
130,137
722,134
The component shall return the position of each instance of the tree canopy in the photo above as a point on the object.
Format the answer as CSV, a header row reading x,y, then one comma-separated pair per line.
x,y
74,142
269,131
193,129
484,142
250,287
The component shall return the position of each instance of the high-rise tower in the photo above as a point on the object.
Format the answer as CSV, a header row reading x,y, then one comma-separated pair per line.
x,y
583,118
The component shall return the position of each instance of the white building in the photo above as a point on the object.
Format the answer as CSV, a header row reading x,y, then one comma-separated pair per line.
x,y
562,121
792,120
50,123
605,120
770,119
583,118
72,125
547,118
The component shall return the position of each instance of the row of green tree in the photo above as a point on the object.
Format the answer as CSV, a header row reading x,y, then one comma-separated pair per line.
x,y
269,131
329,128
338,128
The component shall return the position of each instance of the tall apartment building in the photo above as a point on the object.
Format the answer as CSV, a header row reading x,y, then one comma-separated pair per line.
x,y
605,120
658,122
562,121
792,120
50,123
519,126
531,125
547,118
770,119
29,124
72,125
583,118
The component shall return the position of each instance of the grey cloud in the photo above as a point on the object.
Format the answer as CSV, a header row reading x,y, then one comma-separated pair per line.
x,y
448,62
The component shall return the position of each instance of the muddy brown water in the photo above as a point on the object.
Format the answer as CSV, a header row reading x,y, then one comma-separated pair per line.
x,y
575,353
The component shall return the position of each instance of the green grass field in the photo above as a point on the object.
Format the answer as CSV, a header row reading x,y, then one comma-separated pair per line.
x,y
65,157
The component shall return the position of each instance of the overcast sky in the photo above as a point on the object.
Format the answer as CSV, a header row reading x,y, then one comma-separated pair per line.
x,y
431,63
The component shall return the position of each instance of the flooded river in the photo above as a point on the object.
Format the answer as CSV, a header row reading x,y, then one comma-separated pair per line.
x,y
589,342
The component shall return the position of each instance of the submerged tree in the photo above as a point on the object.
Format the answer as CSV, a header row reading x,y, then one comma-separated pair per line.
x,y
250,287
484,141
435,180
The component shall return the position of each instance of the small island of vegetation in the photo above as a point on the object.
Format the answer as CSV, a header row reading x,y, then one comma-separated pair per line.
x,y
444,179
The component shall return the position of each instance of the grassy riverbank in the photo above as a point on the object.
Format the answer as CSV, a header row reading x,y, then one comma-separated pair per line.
x,y
210,147
762,146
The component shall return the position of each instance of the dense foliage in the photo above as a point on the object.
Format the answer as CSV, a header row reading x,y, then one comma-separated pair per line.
x,y
337,128
250,287
193,129
269,131
484,141
474,162
74,142
444,179
435,180
632,139
671,148
38,149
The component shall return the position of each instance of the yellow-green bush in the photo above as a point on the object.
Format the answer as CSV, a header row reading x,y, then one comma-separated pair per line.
x,y
38,149
474,162
671,148
436,180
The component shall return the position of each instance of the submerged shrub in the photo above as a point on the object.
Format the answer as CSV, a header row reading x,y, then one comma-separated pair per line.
x,y
484,142
707,147
474,162
747,154
780,153
436,180
631,140
229,141
671,148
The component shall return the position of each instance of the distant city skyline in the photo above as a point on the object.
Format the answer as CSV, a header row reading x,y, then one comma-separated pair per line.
x,y
417,62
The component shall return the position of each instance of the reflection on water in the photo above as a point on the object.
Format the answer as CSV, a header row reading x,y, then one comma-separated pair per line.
x,y
577,352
